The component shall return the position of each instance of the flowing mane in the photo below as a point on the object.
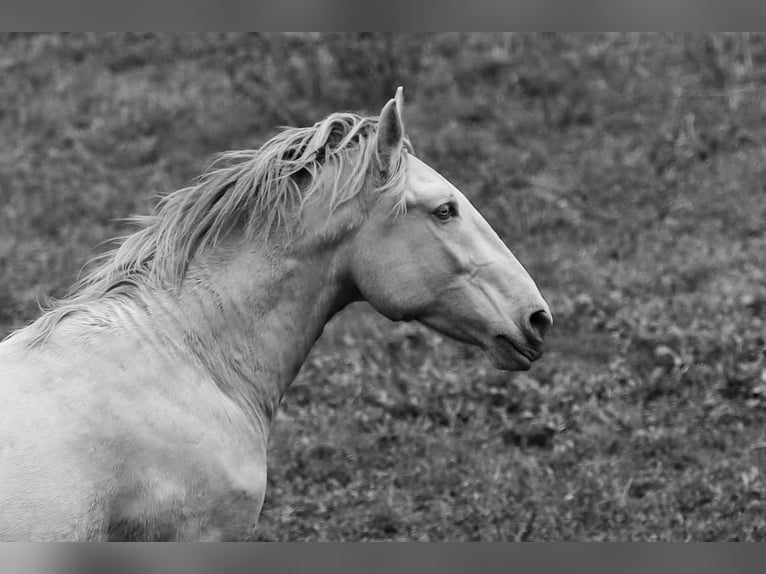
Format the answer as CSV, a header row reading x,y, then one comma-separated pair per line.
x,y
261,191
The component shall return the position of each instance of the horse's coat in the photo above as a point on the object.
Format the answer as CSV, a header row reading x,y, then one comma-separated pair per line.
x,y
139,407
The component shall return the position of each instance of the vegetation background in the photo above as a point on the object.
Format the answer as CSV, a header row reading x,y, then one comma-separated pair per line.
x,y
626,171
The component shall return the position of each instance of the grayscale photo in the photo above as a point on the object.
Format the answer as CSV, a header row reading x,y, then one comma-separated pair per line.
x,y
421,287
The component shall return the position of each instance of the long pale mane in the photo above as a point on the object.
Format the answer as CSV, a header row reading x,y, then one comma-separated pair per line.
x,y
260,191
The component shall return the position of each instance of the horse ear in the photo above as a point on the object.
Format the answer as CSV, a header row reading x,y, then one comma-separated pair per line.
x,y
390,129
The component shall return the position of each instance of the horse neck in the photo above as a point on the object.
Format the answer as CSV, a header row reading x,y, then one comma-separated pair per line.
x,y
251,319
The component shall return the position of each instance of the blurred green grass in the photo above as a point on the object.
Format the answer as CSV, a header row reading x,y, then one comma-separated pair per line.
x,y
624,170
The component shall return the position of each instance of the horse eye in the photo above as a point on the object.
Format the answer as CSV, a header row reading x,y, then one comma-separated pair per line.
x,y
445,211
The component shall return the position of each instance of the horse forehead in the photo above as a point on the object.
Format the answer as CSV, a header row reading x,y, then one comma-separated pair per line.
x,y
425,182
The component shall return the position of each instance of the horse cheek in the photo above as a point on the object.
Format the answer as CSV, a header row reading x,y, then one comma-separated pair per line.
x,y
389,281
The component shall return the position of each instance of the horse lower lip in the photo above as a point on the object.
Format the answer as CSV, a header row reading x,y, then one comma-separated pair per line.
x,y
507,343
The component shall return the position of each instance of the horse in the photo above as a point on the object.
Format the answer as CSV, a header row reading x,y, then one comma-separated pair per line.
x,y
138,407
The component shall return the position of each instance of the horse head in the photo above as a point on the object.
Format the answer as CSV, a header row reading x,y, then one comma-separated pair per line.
x,y
437,260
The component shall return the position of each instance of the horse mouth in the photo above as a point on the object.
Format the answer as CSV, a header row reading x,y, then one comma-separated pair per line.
x,y
511,356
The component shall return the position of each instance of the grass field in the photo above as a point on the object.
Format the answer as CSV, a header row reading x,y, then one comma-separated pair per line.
x,y
628,174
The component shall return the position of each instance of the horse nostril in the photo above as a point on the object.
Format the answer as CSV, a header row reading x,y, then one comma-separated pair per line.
x,y
540,322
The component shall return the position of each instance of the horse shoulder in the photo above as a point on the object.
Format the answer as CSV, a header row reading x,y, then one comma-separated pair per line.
x,y
142,447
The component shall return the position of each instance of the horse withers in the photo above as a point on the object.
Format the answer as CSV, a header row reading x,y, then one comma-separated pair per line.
x,y
139,407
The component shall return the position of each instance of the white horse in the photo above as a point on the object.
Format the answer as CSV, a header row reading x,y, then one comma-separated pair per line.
x,y
139,407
